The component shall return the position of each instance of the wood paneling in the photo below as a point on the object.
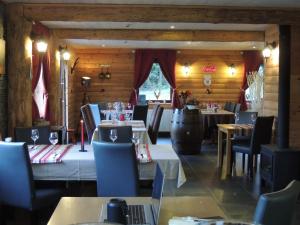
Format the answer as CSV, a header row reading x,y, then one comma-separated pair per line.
x,y
148,13
270,99
19,69
224,86
160,35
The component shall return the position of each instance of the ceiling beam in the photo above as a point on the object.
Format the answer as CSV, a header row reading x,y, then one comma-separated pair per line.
x,y
146,13
160,35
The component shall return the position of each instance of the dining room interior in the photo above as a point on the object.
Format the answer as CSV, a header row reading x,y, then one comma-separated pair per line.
x,y
209,91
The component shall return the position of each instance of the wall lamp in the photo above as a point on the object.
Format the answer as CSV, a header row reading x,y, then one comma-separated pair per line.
x,y
186,70
41,45
85,81
267,51
104,75
232,69
64,53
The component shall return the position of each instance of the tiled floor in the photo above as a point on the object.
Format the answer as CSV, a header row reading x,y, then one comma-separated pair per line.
x,y
236,196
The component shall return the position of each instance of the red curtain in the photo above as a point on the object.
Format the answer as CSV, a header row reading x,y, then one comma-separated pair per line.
x,y
252,61
40,66
144,58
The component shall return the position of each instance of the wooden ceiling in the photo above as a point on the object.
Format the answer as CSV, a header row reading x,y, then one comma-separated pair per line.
x,y
176,26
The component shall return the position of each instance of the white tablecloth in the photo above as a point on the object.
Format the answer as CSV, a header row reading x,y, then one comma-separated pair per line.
x,y
77,165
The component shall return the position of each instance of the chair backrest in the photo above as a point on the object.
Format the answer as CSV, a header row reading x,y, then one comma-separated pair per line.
x,y
262,133
245,117
140,113
278,207
153,131
227,106
237,108
231,106
23,134
88,119
124,134
116,169
16,179
95,109
153,115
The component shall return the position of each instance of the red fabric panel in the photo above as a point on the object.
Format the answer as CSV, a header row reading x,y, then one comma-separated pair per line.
x,y
144,58
252,61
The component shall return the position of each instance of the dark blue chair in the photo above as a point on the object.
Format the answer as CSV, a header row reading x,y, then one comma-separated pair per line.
x,y
23,134
16,180
277,208
95,109
262,133
124,134
140,113
116,169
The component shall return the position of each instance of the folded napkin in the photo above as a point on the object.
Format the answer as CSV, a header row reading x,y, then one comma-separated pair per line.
x,y
143,154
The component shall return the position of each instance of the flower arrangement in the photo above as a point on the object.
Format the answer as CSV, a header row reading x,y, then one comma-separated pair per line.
x,y
185,94
187,99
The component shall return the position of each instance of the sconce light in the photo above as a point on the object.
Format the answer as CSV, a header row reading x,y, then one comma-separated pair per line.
x,y
232,70
65,54
186,69
268,49
106,75
41,46
85,81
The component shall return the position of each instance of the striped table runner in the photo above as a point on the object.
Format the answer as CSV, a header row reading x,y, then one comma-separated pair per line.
x,y
47,153
143,154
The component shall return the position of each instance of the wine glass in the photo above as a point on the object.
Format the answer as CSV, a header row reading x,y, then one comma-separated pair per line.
x,y
135,138
113,135
53,138
253,117
34,136
237,117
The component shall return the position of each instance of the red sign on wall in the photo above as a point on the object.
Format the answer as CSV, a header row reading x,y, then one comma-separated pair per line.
x,y
209,69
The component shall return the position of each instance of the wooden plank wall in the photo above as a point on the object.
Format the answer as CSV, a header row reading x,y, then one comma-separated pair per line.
x,y
224,86
294,135
270,99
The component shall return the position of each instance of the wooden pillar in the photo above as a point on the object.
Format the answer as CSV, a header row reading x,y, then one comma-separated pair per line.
x,y
18,68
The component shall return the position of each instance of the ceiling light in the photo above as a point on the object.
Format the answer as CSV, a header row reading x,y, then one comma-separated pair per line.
x,y
172,27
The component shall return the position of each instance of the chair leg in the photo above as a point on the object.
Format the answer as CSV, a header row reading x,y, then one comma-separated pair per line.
x,y
250,165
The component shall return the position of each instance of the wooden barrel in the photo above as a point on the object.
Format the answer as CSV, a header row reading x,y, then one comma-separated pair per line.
x,y
187,131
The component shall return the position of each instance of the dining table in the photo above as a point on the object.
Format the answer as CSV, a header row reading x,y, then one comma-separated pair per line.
x,y
138,126
229,130
66,162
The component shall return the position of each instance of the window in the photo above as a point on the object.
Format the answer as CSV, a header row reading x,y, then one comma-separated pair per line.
x,y
254,92
156,87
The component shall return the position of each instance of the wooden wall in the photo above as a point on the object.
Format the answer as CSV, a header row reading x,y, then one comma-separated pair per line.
x,y
294,135
270,99
224,86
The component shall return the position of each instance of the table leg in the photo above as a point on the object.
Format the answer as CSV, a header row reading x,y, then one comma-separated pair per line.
x,y
228,154
220,149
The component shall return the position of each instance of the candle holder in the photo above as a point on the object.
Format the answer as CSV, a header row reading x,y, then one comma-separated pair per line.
x,y
82,137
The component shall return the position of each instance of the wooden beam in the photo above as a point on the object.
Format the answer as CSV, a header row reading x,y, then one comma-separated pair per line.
x,y
151,13
160,35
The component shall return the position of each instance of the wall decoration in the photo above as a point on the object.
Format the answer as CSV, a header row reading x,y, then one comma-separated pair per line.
x,y
209,69
207,83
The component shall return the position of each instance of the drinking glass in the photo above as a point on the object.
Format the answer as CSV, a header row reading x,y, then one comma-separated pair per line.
x,y
253,117
34,136
113,135
135,138
237,117
53,138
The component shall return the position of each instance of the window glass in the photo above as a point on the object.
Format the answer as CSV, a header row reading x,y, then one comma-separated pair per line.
x,y
156,87
255,80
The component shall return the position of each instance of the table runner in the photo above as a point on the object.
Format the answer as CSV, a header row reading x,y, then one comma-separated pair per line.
x,y
47,153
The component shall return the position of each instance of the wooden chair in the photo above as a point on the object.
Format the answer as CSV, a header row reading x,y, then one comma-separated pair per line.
x,y
88,119
153,130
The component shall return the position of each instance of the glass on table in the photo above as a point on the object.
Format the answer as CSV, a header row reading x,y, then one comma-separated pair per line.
x,y
34,136
113,135
53,138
